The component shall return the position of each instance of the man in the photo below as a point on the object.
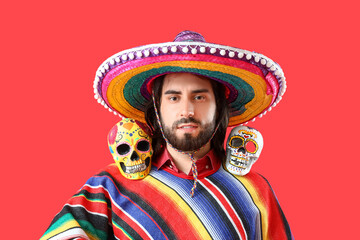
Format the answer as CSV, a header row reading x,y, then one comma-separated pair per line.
x,y
188,91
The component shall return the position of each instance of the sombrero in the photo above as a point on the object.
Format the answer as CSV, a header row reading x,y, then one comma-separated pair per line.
x,y
254,82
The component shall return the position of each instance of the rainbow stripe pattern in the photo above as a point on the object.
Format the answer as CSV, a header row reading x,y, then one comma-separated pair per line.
x,y
159,206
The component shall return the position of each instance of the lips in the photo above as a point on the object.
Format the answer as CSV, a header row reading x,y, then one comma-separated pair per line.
x,y
187,126
186,122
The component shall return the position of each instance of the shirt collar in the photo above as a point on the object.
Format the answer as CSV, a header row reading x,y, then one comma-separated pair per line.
x,y
206,165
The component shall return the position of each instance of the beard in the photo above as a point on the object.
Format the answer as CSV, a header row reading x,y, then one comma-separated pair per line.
x,y
188,142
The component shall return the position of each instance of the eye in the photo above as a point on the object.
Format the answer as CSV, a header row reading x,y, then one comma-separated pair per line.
x,y
143,146
173,98
236,142
251,146
123,149
199,97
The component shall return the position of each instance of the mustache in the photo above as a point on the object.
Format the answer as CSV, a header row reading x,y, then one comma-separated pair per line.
x,y
185,120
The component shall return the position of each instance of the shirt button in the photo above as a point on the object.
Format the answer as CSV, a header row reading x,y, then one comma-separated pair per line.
x,y
207,166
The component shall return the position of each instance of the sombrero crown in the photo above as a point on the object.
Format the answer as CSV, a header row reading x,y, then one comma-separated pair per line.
x,y
254,82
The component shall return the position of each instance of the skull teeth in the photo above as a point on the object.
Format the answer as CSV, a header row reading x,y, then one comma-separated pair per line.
x,y
239,162
135,169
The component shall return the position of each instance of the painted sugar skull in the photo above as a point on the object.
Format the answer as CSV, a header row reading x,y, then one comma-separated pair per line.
x,y
243,148
131,149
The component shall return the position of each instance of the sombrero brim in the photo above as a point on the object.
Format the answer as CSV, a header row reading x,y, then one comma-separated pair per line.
x,y
254,82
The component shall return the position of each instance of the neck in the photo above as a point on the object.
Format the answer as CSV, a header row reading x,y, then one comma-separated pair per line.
x,y
183,160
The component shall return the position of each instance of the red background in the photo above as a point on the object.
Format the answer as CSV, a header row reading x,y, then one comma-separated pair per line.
x,y
53,133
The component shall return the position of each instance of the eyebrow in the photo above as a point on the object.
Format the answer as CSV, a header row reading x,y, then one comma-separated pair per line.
x,y
200,91
179,92
172,92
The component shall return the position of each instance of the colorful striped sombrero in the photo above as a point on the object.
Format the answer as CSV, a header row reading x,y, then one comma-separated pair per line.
x,y
255,83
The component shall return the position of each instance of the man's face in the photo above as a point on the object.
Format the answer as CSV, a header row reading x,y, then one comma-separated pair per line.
x,y
187,110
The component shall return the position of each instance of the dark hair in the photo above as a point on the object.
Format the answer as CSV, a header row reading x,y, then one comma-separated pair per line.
x,y
222,117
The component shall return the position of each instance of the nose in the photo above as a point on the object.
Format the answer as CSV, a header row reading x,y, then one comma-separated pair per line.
x,y
134,156
241,150
187,109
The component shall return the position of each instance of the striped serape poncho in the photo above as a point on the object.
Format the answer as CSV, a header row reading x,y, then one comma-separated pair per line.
x,y
159,206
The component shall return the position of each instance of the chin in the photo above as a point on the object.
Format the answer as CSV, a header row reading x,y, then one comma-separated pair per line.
x,y
187,135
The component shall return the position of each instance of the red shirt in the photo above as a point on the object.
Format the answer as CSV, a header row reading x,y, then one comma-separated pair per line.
x,y
206,165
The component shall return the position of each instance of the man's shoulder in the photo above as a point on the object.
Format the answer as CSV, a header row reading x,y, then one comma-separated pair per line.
x,y
255,180
110,169
108,175
111,176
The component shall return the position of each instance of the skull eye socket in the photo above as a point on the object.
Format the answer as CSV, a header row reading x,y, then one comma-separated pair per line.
x,y
123,149
143,146
236,142
251,146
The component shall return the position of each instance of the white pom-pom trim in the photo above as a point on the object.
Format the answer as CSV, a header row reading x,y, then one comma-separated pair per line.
x,y
164,49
